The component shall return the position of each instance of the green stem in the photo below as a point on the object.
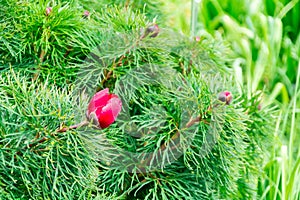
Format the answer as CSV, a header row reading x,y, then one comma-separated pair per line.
x,y
293,123
119,62
287,8
64,129
194,17
127,3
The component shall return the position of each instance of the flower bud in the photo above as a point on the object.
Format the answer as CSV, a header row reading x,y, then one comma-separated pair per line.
x,y
104,108
225,97
48,11
152,31
259,106
86,14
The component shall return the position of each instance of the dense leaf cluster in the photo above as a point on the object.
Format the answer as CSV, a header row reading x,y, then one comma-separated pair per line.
x,y
173,138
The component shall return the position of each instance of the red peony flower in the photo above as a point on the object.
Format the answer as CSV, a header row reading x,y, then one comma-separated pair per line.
x,y
225,97
104,108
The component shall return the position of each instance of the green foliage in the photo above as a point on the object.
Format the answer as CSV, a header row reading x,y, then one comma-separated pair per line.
x,y
165,82
282,178
43,35
151,8
263,35
265,38
45,43
173,139
36,161
51,44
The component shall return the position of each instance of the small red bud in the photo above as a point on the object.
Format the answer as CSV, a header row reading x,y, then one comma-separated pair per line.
x,y
48,11
259,106
225,97
86,14
152,31
197,38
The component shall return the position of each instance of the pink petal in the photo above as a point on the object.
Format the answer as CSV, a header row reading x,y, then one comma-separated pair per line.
x,y
110,112
99,100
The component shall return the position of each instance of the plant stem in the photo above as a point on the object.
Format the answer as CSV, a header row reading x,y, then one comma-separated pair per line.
x,y
287,8
193,121
64,129
41,60
293,123
127,4
42,55
68,52
108,75
119,62
175,138
43,139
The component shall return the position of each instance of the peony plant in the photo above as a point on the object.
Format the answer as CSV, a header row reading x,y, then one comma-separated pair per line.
x,y
169,129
